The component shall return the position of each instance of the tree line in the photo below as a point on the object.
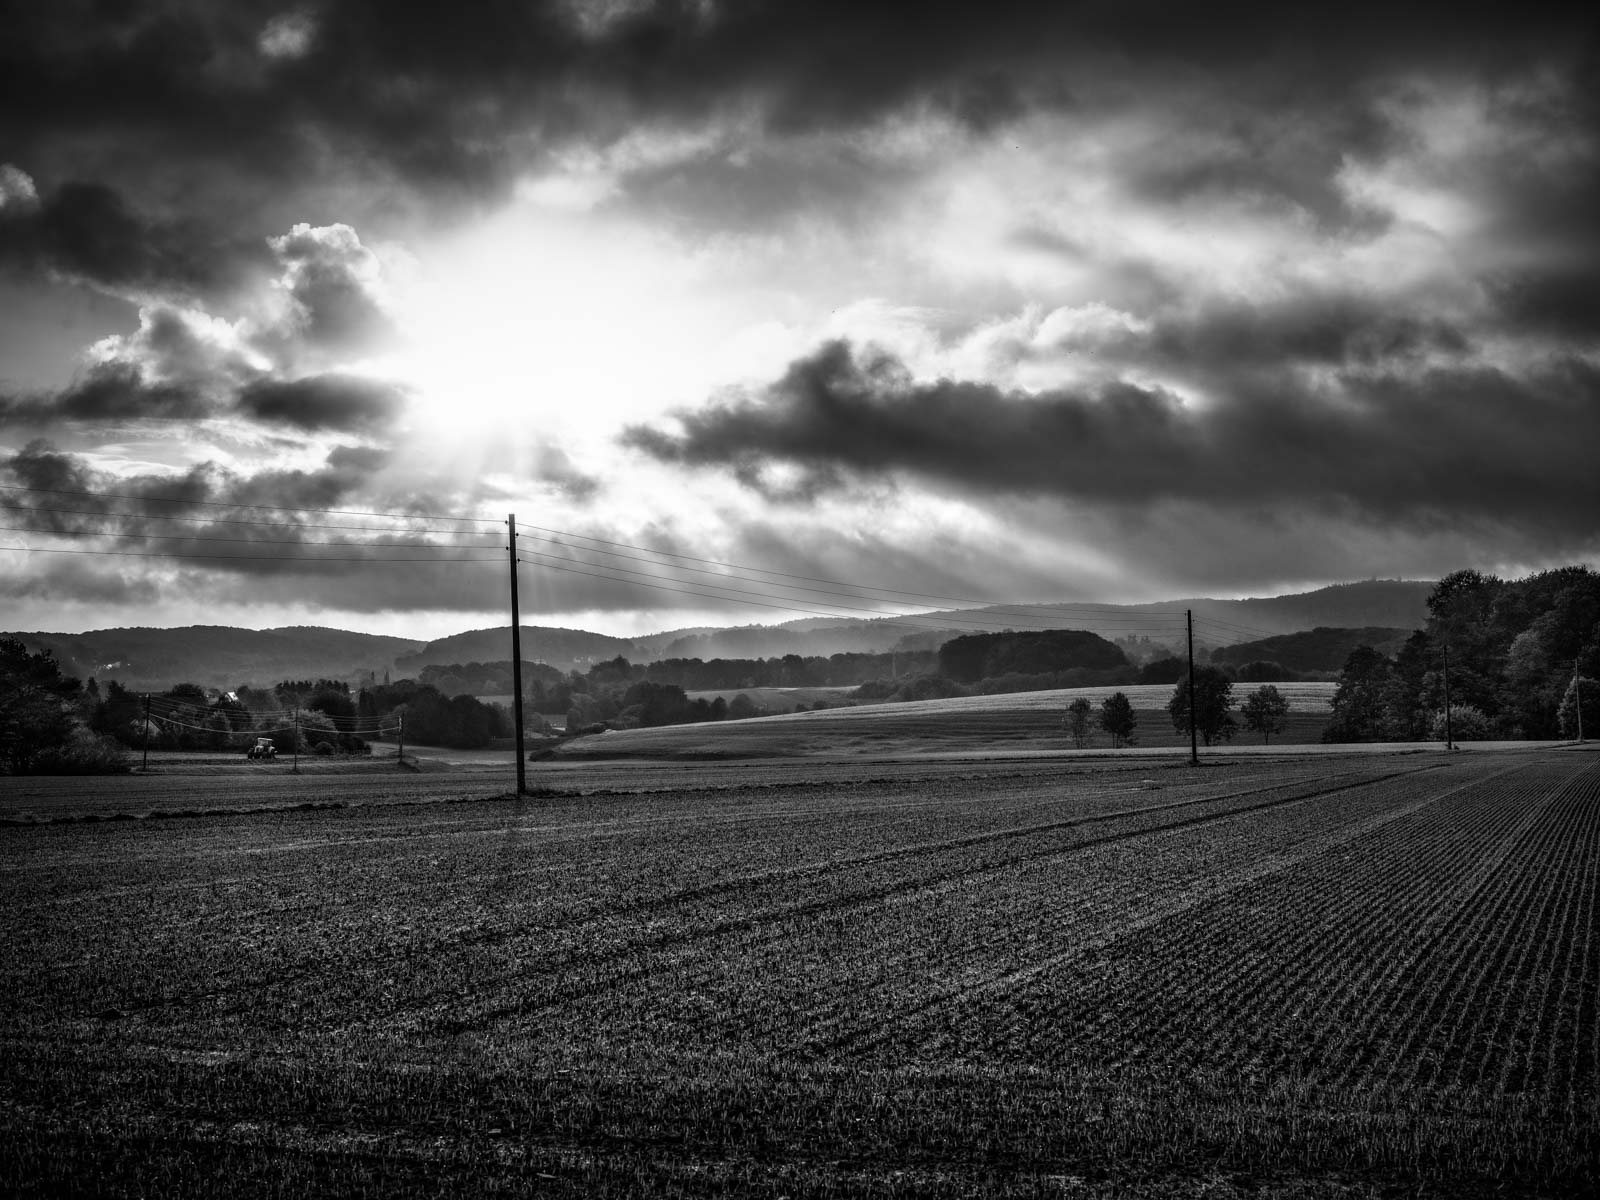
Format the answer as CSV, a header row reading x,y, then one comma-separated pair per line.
x,y
1514,655
1265,711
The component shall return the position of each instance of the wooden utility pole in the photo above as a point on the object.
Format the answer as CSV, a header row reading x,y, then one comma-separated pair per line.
x,y
296,739
144,764
1577,698
1194,748
1449,739
516,659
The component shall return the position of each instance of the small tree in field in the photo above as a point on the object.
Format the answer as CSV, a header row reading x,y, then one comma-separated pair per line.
x,y
1589,690
1078,722
1265,711
1213,697
1117,718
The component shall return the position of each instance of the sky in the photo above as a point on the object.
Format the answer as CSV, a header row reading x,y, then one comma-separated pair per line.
x,y
1016,302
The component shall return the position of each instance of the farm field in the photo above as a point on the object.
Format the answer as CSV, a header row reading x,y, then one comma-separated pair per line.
x,y
962,724
1351,975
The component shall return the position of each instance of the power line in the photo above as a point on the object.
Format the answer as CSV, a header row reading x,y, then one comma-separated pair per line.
x,y
781,589
934,622
1115,608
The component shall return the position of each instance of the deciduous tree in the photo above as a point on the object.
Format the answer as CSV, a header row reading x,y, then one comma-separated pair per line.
x,y
1358,703
1118,719
1078,721
1265,711
37,706
1213,697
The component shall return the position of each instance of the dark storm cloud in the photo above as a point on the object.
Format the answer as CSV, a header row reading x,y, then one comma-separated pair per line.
x,y
107,393
1319,329
344,403
1406,447
116,391
458,99
215,524
70,579
40,470
88,233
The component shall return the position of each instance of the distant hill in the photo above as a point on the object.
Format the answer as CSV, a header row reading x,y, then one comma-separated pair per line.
x,y
216,656
219,656
1320,649
805,638
564,649
1392,603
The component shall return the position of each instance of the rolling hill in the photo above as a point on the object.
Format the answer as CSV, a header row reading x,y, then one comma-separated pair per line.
x,y
1319,649
217,655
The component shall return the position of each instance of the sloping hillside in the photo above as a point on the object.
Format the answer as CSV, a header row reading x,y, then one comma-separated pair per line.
x,y
1320,649
1391,603
219,656
563,649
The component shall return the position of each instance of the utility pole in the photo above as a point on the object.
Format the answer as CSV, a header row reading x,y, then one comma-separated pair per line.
x,y
296,770
1577,698
1194,749
1449,740
144,764
400,756
516,659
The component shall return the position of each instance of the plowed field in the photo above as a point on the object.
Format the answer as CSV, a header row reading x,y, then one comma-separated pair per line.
x,y
1354,975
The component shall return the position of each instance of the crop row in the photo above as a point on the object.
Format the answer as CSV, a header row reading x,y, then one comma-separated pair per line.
x,y
812,980
1264,966
1342,968
774,954
257,910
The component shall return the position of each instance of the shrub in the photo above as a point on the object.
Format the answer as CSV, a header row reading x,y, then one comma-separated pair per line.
x,y
84,753
324,748
875,689
1467,724
1265,671
1163,670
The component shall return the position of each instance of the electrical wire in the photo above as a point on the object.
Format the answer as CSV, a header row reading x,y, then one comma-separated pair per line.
x,y
781,590
1112,608
935,622
785,597
258,731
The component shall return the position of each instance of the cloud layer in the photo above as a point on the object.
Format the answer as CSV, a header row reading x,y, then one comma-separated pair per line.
x,y
1133,295
1408,448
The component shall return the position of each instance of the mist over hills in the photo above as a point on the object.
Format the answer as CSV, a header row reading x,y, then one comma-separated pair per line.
x,y
1390,603
225,657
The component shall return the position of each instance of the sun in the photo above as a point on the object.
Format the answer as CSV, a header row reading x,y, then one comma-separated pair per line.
x,y
553,325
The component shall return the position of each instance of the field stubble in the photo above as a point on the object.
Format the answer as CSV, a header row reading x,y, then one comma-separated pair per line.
x,y
1331,977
